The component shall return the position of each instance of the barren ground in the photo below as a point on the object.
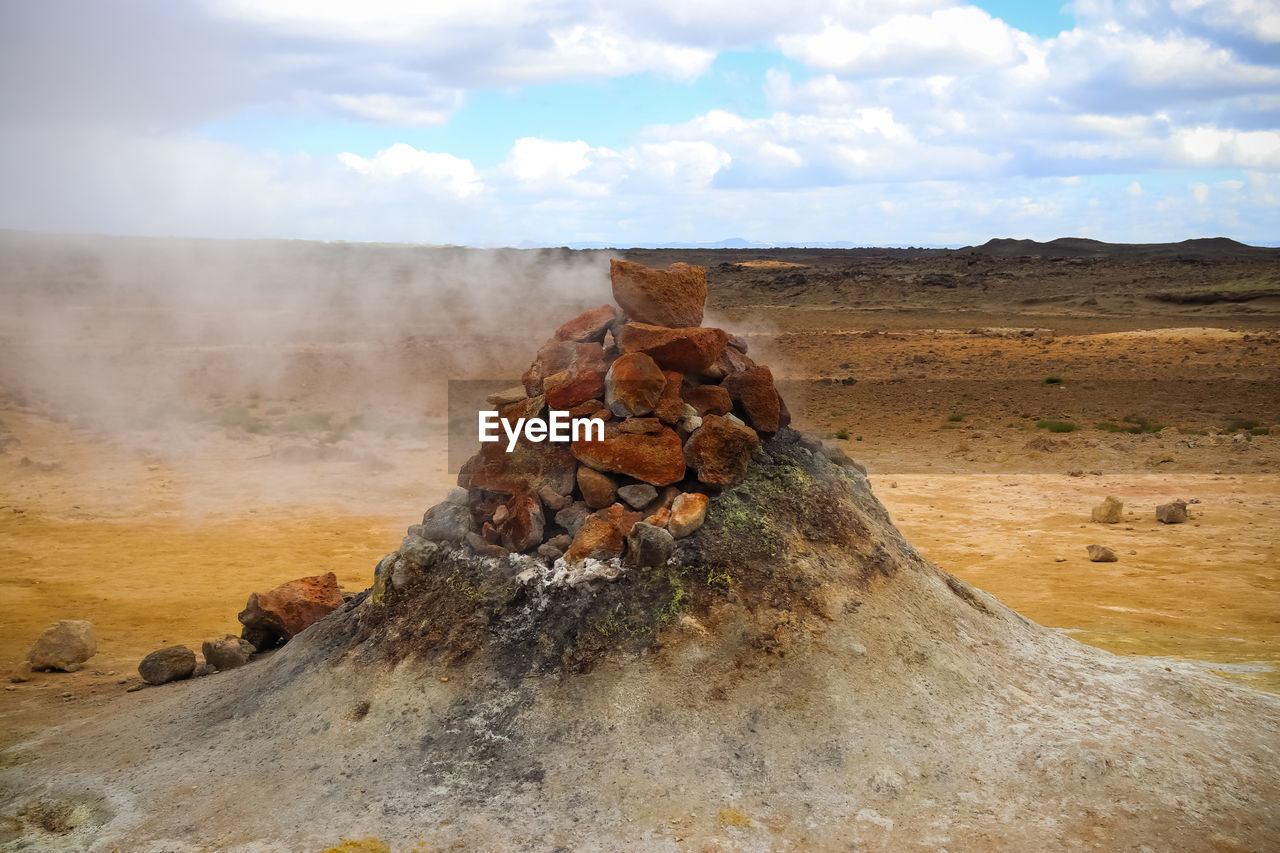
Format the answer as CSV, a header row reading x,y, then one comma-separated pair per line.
x,y
163,457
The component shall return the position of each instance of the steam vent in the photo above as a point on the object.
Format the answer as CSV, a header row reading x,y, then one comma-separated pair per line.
x,y
697,631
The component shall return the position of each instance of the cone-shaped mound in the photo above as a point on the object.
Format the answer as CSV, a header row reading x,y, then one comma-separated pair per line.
x,y
783,672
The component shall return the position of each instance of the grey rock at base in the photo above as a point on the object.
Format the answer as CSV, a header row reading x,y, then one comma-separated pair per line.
x,y
483,548
1174,512
457,496
573,516
648,545
638,496
64,645
552,499
549,551
562,541
227,652
446,522
165,665
1101,554
1110,511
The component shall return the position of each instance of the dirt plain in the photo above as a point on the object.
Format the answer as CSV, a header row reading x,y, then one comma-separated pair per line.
x,y
184,422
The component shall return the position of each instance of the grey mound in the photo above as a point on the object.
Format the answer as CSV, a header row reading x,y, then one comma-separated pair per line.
x,y
796,677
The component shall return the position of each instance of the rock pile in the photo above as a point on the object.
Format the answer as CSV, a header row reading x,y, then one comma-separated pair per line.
x,y
683,409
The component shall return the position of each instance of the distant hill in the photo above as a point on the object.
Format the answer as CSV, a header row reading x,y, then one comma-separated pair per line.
x,y
1082,247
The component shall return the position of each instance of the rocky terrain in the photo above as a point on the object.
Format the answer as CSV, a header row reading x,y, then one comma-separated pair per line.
x,y
268,456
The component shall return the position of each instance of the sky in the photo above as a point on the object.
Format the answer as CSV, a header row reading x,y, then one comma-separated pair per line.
x,y
554,122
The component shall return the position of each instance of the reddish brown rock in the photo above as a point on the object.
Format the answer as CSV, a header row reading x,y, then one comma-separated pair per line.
x,y
602,535
556,355
570,388
655,459
530,465
585,410
524,523
720,450
708,399
729,361
641,426
659,518
754,391
598,490
670,406
685,350
275,617
688,512
673,297
633,385
589,326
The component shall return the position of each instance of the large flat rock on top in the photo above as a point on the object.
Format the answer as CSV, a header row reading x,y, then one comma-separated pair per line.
x,y
672,297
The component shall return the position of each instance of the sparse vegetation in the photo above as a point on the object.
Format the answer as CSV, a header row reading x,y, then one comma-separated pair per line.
x,y
842,434
956,418
1053,380
1057,426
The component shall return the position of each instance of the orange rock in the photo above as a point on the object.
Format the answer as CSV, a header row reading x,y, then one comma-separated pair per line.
x,y
655,459
673,297
522,528
588,326
530,465
753,389
670,407
708,399
659,518
271,618
720,450
602,535
585,410
556,355
687,350
687,513
570,388
641,426
633,385
598,490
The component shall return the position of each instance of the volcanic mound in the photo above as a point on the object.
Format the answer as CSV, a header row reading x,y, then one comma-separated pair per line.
x,y
698,631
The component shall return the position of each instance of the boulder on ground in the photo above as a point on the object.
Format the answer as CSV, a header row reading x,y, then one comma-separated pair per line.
x,y
1110,511
688,512
648,545
1174,512
274,617
720,450
672,297
1101,554
226,652
64,645
165,665
684,350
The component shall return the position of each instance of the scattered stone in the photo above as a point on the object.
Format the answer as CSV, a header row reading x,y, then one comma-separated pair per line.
x,y
684,350
165,665
589,326
753,389
275,617
1059,559
1174,512
483,547
446,522
226,652
673,297
1101,554
655,459
1110,511
670,406
638,496
648,545
720,450
659,518
688,512
633,385
549,551
598,489
64,645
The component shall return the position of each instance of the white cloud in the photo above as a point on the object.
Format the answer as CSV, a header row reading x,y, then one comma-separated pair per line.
x,y
1200,192
451,174
1134,189
402,111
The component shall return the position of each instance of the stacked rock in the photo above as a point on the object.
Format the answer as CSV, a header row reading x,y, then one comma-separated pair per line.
x,y
682,408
